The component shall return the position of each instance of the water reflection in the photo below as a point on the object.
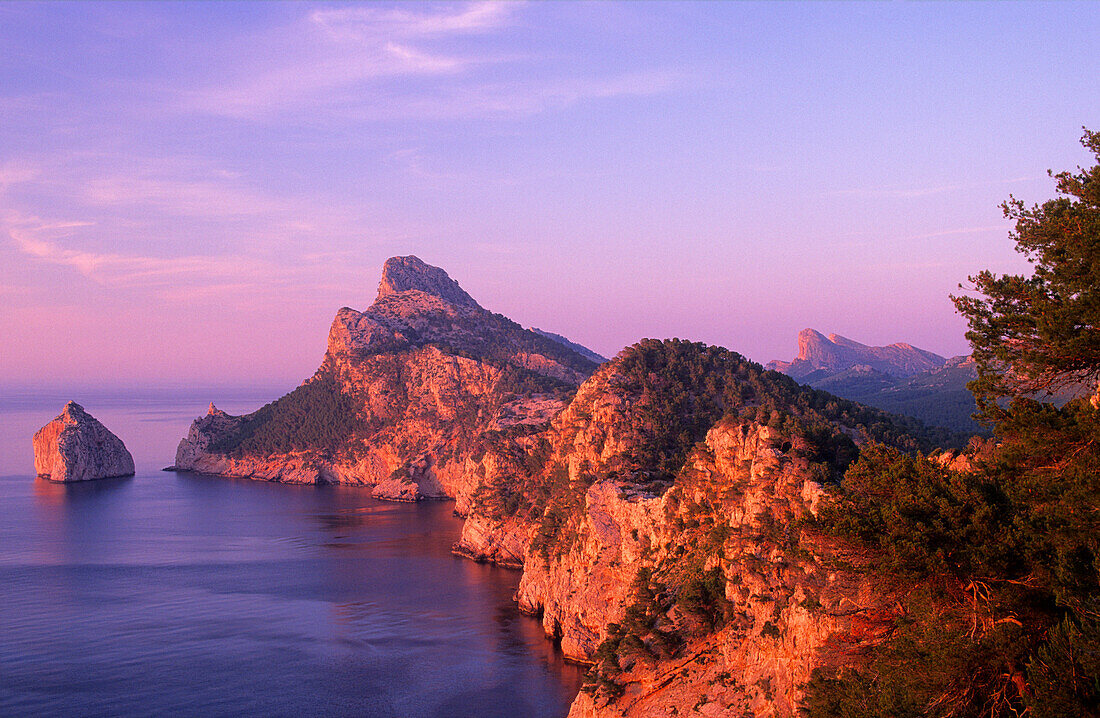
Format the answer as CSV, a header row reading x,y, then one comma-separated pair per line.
x,y
56,493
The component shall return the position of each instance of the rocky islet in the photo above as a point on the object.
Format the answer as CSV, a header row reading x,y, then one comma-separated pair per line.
x,y
75,446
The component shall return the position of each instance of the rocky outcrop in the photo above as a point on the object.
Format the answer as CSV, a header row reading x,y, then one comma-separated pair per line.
x,y
709,588
501,542
77,447
791,606
739,506
405,274
404,400
834,354
579,593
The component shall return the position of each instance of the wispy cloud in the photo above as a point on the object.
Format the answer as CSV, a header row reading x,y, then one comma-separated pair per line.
x,y
118,269
508,99
15,172
365,23
371,63
141,198
335,50
172,277
219,196
411,161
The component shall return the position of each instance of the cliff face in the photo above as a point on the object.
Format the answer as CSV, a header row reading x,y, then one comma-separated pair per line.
x,y
737,512
77,447
403,274
739,506
834,354
403,398
706,588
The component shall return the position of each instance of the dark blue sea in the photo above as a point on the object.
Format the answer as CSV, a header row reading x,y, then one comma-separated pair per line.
x,y
176,594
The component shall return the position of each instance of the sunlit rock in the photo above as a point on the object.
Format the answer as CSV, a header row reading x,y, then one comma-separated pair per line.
x,y
76,447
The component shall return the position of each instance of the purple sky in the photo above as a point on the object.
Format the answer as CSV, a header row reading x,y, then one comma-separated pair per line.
x,y
188,192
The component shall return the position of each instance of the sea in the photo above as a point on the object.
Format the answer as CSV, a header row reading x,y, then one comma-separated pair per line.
x,y
187,595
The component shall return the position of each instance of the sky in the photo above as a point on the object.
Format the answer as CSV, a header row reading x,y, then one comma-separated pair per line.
x,y
189,191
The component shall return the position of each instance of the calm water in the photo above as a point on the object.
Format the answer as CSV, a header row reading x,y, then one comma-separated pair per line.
x,y
177,594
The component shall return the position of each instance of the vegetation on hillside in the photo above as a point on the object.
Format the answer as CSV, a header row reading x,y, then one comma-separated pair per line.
x,y
680,389
317,415
674,392
321,416
485,336
937,398
998,568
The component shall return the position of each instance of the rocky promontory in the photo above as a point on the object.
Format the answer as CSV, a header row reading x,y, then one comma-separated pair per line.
x,y
666,528
409,394
77,447
661,505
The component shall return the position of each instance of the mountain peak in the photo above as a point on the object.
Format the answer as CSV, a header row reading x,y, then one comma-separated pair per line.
x,y
73,412
835,353
404,274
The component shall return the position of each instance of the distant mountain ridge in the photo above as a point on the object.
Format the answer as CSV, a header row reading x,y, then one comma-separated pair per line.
x,y
835,353
898,378
579,348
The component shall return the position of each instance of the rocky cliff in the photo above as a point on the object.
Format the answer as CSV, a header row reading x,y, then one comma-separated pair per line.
x,y
665,526
77,447
760,601
404,399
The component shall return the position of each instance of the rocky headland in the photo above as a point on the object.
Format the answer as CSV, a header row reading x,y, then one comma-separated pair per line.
x,y
75,446
665,524
406,393
834,353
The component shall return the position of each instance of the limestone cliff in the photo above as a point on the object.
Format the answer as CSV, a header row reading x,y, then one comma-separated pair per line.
x,y
77,447
664,523
403,401
403,274
739,517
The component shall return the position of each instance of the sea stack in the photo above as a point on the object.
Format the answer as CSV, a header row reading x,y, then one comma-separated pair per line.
x,y
76,447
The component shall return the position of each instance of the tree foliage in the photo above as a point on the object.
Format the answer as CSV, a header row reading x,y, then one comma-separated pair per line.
x,y
921,519
1042,333
998,568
